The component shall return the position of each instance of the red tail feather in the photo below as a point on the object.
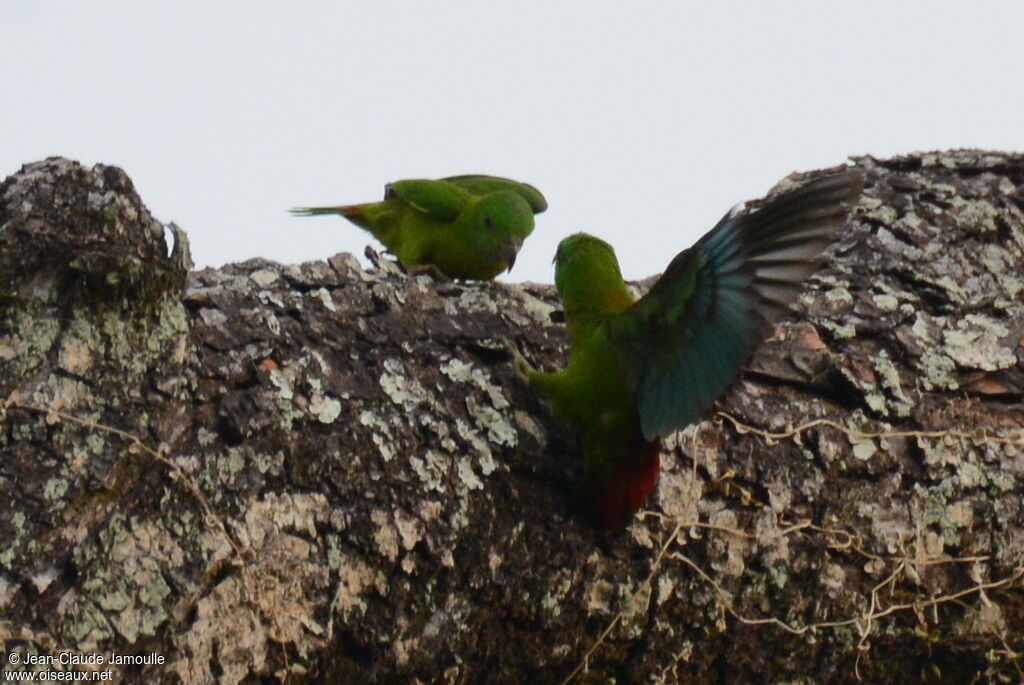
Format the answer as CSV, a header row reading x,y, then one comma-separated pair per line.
x,y
628,485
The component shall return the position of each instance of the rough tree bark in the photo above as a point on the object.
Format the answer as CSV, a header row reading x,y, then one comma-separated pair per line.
x,y
327,473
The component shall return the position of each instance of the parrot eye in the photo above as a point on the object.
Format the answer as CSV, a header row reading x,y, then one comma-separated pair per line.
x,y
488,221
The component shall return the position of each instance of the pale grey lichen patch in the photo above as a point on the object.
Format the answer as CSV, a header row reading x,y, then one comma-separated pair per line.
x,y
325,409
432,469
473,300
322,364
839,331
678,491
939,372
294,511
384,535
900,403
1005,482
889,524
409,531
62,393
953,290
381,434
283,379
130,588
875,209
55,489
464,372
41,579
324,296
284,582
213,318
839,295
833,577
395,533
404,391
971,476
881,385
116,206
430,510
290,403
864,449
600,596
772,541
520,307
910,220
886,302
937,451
499,430
928,328
633,614
972,215
7,591
88,625
977,342
271,321
75,356
264,277
482,448
466,475
270,464
735,547
9,346
560,586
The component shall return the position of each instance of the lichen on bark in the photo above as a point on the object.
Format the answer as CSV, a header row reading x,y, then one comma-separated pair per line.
x,y
329,473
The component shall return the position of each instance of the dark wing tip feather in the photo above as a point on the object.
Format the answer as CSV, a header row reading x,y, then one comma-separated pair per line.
x,y
791,231
812,208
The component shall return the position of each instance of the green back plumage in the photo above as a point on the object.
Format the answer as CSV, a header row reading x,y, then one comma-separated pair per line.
x,y
439,200
479,184
683,343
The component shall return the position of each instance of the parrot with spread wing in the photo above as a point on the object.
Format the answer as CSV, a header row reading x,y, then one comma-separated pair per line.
x,y
640,369
468,227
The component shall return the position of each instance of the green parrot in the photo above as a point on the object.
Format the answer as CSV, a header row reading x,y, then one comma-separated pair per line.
x,y
468,227
640,369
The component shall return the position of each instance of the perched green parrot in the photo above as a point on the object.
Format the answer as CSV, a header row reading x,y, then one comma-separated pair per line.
x,y
639,370
468,227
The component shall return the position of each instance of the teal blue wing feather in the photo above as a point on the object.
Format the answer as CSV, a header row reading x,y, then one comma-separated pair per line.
x,y
684,342
437,199
479,184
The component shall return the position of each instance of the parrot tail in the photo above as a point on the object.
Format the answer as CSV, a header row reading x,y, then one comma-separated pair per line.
x,y
612,499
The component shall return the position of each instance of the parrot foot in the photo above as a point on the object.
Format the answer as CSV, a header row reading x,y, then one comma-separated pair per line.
x,y
520,366
430,270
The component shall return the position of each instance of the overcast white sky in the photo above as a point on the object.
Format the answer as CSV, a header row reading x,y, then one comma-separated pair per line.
x,y
641,122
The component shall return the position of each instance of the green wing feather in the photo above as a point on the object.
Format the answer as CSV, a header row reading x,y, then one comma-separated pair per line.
x,y
479,184
437,199
683,343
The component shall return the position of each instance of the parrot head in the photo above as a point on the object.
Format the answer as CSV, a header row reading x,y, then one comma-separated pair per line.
x,y
498,224
585,267
589,283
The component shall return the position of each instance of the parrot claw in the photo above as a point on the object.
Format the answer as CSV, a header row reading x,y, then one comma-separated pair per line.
x,y
520,366
430,270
